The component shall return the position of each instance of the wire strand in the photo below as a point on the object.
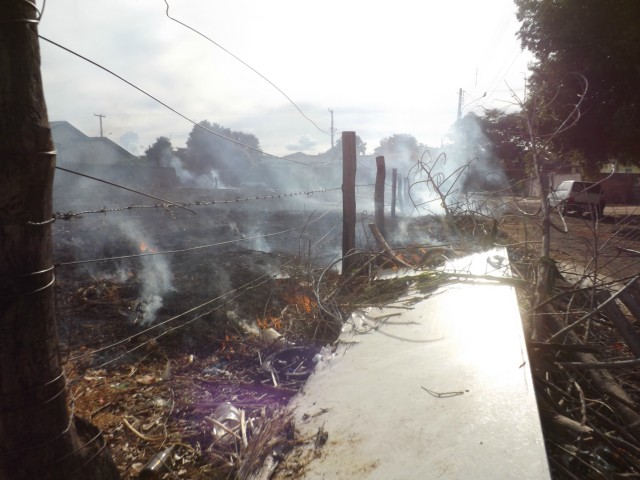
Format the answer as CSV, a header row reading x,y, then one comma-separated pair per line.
x,y
193,122
246,65
69,215
171,319
124,188
191,249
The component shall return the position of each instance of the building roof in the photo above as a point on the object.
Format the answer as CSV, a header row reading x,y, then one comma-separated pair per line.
x,y
74,146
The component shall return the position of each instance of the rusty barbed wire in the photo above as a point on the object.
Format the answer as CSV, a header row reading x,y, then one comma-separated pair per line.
x,y
69,215
195,248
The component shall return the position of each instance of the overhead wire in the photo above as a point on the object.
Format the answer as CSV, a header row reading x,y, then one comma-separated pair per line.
x,y
181,115
246,65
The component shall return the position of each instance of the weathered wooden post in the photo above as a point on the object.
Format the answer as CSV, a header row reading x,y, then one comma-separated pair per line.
x,y
39,437
378,196
400,194
348,200
394,186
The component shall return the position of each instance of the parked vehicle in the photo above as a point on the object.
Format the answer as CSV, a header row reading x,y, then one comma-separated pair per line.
x,y
579,197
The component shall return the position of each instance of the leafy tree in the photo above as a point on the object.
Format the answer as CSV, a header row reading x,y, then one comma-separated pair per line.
x,y
506,133
599,40
336,151
221,153
473,141
400,145
156,152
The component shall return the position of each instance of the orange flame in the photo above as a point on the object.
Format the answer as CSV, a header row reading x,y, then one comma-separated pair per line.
x,y
144,248
269,322
303,301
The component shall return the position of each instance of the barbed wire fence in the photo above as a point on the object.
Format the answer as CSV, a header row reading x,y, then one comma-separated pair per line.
x,y
202,207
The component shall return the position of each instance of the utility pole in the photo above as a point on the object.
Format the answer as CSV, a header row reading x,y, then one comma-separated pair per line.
x,y
331,112
348,201
101,116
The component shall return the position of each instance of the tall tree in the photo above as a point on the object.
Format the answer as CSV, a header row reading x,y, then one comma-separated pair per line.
x,y
38,436
599,40
336,151
158,151
227,156
506,132
400,145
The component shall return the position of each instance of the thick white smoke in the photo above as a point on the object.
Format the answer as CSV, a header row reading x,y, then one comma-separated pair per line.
x,y
155,277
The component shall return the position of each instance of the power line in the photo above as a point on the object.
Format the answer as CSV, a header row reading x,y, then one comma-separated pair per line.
x,y
249,67
193,122
100,116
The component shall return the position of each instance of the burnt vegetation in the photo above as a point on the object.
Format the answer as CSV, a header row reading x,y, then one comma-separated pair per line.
x,y
186,326
246,315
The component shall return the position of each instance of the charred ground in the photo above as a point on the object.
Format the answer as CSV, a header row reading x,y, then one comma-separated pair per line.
x,y
153,385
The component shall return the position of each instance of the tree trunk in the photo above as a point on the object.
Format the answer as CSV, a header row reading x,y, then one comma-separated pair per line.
x,y
38,437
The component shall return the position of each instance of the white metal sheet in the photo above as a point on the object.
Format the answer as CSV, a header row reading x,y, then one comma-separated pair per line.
x,y
478,419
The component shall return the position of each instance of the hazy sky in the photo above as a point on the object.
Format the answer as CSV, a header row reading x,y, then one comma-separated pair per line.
x,y
382,67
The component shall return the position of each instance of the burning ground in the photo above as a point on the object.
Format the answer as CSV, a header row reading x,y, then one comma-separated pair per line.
x,y
200,350
208,369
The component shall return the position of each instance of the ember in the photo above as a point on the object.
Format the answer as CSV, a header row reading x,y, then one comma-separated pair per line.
x,y
144,248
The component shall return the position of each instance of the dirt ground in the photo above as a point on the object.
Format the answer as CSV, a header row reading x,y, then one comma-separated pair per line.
x,y
183,381
585,348
192,381
610,248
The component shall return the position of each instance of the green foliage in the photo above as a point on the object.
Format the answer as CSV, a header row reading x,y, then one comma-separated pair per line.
x,y
507,133
336,151
599,40
507,138
156,152
230,160
400,145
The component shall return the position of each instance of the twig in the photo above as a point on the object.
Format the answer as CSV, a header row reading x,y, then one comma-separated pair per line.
x,y
566,347
243,428
442,394
99,409
594,311
603,365
141,435
218,424
382,243
571,424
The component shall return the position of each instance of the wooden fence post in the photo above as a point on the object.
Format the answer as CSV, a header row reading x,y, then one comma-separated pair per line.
x,y
394,186
378,196
348,200
39,436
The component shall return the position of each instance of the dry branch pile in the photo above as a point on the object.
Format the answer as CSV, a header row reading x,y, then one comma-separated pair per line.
x,y
584,353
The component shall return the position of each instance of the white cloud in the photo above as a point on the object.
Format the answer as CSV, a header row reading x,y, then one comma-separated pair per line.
x,y
303,144
382,68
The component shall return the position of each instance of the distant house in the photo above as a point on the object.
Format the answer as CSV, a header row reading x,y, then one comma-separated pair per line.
x,y
75,147
102,159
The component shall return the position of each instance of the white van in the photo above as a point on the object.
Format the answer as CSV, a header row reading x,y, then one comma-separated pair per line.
x,y
579,197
